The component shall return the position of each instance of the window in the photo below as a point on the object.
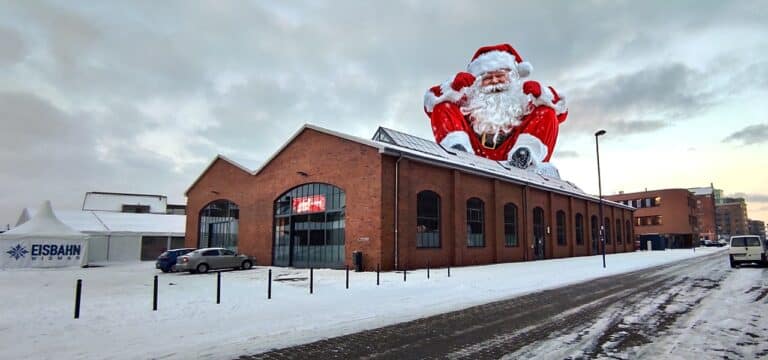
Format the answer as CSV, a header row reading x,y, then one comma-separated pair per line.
x,y
210,253
607,224
427,220
510,225
141,209
475,219
309,226
618,231
579,229
219,222
560,219
227,252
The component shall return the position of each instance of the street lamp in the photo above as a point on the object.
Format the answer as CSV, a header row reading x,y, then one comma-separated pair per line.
x,y
600,192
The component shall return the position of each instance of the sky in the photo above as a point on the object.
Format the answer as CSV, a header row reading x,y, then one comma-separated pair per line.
x,y
141,96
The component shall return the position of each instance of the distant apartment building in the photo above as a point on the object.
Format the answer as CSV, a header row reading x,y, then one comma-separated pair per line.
x,y
668,215
706,199
731,217
757,227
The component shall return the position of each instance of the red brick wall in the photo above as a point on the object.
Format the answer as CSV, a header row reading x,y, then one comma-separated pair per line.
x,y
675,210
353,167
368,180
455,188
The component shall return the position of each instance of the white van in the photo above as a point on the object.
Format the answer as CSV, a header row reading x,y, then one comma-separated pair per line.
x,y
747,249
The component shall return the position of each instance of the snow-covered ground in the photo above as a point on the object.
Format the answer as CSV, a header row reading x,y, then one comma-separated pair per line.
x,y
705,312
117,321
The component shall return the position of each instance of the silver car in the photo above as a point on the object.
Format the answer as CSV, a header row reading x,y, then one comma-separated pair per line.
x,y
202,260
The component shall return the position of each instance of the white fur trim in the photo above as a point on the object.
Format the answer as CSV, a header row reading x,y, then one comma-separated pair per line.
x,y
457,138
492,60
547,99
537,148
448,94
430,100
524,69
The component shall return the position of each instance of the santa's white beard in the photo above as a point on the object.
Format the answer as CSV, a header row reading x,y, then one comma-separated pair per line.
x,y
496,109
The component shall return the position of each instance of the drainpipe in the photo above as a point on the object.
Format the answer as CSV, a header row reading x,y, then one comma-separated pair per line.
x,y
397,193
525,222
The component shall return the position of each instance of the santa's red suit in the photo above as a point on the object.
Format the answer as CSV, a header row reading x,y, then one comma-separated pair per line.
x,y
536,129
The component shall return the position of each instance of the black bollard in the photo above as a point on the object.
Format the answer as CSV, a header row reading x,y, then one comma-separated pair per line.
x,y
427,269
218,287
154,296
377,275
78,291
449,270
269,285
347,276
404,274
311,280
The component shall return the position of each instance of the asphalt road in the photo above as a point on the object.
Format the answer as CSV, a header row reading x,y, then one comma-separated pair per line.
x,y
519,326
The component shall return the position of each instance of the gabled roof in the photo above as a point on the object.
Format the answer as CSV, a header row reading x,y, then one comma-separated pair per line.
x,y
218,157
285,145
396,143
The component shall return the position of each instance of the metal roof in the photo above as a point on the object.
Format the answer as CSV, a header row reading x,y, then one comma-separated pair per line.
x,y
402,143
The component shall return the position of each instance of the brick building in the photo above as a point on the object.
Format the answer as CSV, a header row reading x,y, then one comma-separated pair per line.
x,y
731,217
757,227
705,212
668,214
400,200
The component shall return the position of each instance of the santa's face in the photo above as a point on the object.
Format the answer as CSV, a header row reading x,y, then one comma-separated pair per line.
x,y
494,78
496,103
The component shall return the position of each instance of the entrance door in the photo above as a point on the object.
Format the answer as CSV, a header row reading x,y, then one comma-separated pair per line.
x,y
300,242
309,227
539,240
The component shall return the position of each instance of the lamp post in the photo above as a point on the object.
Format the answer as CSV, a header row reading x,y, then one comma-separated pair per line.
x,y
600,192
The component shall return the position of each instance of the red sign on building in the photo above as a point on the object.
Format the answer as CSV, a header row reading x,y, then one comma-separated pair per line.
x,y
314,203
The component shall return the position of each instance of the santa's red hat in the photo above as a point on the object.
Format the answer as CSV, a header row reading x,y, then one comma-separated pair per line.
x,y
497,57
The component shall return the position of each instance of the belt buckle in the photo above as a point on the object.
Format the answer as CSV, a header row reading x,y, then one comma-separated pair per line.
x,y
484,143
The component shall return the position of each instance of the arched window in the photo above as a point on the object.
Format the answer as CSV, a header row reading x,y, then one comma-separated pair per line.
x,y
618,231
309,227
427,220
607,224
510,225
628,229
579,229
560,223
219,225
475,223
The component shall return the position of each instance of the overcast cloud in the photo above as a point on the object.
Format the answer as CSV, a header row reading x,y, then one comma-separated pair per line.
x,y
140,96
753,134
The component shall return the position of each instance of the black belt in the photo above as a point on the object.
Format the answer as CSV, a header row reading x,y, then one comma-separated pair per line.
x,y
492,141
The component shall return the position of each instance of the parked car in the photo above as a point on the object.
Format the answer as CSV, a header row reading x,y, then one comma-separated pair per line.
x,y
202,260
167,260
747,249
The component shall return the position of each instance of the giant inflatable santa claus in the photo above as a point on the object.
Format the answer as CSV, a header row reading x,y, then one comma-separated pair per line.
x,y
492,111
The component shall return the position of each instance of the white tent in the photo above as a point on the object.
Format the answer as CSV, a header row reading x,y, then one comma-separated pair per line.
x,y
43,241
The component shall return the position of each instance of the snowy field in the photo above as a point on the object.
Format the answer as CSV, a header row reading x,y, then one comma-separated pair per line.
x,y
117,321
